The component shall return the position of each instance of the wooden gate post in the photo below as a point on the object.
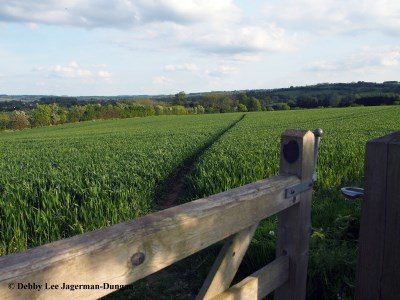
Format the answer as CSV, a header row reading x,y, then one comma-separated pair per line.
x,y
294,223
378,268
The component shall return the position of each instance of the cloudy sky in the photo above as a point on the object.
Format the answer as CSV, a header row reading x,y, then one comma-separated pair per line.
x,y
114,47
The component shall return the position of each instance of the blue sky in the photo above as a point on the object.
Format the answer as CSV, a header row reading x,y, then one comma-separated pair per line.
x,y
119,47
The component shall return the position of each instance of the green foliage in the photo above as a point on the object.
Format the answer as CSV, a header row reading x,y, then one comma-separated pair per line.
x,y
250,152
216,102
254,104
65,180
18,120
200,109
241,107
179,110
180,98
75,114
41,116
4,120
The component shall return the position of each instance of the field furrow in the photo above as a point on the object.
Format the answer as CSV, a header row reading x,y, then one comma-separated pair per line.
x,y
60,181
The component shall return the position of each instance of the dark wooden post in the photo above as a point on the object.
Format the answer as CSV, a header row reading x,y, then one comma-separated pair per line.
x,y
378,269
294,223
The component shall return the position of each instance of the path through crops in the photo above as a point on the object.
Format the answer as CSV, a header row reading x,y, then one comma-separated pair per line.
x,y
177,184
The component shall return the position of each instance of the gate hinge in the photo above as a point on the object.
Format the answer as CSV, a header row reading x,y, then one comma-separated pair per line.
x,y
298,188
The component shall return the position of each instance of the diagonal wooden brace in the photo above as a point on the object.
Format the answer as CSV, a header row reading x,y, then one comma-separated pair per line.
x,y
227,263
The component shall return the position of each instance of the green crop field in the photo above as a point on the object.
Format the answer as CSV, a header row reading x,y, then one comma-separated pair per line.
x,y
60,181
64,180
250,152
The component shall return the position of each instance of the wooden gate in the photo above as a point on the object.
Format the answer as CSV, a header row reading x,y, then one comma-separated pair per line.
x,y
128,251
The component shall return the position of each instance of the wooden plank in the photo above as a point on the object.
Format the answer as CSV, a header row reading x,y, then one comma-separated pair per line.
x,y
294,224
261,283
104,256
390,281
227,263
373,219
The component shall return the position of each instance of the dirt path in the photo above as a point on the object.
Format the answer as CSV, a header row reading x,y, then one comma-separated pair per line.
x,y
176,184
181,280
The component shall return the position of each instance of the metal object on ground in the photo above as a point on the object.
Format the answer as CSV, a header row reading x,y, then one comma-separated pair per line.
x,y
352,192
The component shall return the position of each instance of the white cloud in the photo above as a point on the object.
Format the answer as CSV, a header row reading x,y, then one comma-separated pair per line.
x,y
86,13
218,72
188,11
161,80
236,39
104,74
364,59
248,57
117,13
336,16
181,67
72,70
208,26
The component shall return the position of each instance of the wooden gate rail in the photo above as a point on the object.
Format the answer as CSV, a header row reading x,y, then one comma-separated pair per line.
x,y
126,252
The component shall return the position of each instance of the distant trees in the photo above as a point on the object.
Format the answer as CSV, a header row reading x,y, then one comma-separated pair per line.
x,y
4,120
377,99
216,102
253,104
71,110
241,107
180,98
18,120
41,116
336,100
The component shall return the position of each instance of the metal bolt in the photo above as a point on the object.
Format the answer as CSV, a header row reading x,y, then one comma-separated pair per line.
x,y
318,132
138,258
317,136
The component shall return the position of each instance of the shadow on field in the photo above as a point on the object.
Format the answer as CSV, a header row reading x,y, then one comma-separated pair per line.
x,y
183,279
173,191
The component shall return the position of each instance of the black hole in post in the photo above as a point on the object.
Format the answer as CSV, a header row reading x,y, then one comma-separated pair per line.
x,y
291,151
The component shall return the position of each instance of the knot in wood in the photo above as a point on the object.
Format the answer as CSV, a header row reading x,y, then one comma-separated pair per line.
x,y
137,258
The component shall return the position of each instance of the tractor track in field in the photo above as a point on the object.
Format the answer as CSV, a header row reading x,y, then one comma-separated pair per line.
x,y
180,275
174,190
178,281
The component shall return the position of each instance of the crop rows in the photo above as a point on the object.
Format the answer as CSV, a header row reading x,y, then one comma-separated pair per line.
x,y
65,180
250,152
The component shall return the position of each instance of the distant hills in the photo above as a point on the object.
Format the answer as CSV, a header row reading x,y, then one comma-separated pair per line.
x,y
322,94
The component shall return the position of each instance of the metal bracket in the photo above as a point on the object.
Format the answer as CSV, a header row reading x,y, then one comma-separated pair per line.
x,y
298,188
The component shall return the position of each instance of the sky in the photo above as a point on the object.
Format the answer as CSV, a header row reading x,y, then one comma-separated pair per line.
x,y
133,47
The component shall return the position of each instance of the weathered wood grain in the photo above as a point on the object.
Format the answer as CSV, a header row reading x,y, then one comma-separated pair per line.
x,y
261,283
378,268
104,256
294,224
227,263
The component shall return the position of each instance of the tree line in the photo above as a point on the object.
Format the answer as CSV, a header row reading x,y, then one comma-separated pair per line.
x,y
246,101
54,114
54,110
